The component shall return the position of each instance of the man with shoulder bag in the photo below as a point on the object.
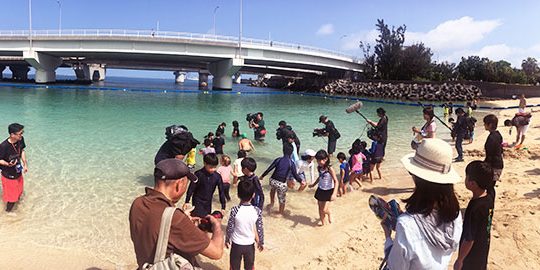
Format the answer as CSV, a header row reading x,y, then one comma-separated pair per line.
x,y
165,237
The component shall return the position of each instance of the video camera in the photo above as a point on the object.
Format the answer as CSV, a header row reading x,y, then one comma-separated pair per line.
x,y
251,117
319,132
174,130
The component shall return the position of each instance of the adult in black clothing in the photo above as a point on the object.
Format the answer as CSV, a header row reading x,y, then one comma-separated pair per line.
x,y
284,131
331,132
203,190
460,129
13,164
218,143
179,142
221,128
257,125
382,127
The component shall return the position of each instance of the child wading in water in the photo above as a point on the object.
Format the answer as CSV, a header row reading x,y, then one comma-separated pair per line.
x,y
225,171
327,181
244,220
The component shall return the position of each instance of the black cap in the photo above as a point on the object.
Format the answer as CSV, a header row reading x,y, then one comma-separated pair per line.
x,y
282,123
321,118
172,169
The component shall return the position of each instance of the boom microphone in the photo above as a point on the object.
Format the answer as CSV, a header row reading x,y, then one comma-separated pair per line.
x,y
356,108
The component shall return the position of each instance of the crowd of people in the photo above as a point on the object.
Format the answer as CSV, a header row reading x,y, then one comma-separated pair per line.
x,y
424,235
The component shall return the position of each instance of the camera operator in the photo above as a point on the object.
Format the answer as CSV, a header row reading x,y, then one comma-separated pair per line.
x,y
331,132
179,142
284,131
257,124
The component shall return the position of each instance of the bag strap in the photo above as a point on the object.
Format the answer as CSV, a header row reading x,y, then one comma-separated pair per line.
x,y
164,231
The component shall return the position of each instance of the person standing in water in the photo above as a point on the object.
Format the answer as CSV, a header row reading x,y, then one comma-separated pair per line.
x,y
13,164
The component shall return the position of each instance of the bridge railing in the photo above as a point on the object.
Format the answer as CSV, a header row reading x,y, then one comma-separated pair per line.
x,y
171,35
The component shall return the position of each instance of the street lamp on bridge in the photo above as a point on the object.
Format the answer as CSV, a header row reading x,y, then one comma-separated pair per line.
x,y
59,16
215,10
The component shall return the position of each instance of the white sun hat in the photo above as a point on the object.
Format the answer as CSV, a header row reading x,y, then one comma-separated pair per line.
x,y
309,153
432,162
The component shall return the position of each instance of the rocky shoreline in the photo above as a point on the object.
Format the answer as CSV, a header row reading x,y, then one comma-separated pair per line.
x,y
413,91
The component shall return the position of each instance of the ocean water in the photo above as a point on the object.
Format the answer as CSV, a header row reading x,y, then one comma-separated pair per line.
x,y
91,152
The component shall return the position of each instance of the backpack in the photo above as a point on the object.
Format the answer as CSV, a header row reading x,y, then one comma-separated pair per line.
x,y
174,261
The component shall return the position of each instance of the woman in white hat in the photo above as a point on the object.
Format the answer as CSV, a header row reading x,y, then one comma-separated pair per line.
x,y
429,231
306,164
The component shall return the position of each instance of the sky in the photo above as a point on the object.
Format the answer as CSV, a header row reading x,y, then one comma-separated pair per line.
x,y
499,30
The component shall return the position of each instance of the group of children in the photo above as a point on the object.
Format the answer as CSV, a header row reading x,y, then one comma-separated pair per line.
x,y
360,165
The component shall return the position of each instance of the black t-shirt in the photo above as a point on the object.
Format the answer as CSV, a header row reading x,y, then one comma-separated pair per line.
x,y
477,228
493,147
218,144
8,153
220,130
333,133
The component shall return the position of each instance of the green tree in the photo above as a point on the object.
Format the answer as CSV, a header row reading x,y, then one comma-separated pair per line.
x,y
443,71
370,70
388,50
531,69
414,62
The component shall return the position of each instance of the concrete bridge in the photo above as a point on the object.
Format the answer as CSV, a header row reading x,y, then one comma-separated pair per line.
x,y
91,52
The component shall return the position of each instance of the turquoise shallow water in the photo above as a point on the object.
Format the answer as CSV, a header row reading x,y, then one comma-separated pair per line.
x,y
91,152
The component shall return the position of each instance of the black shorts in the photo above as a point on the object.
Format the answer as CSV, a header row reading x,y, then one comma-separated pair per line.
x,y
324,195
331,146
376,160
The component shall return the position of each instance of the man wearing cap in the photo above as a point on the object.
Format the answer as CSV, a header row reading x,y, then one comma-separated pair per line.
x,y
179,142
171,179
331,132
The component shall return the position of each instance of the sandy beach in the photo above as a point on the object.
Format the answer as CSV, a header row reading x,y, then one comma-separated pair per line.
x,y
355,240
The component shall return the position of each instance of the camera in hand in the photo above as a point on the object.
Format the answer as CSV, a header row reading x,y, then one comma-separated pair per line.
x,y
251,117
206,225
319,132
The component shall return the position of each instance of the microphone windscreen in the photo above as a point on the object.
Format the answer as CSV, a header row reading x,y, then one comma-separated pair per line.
x,y
354,107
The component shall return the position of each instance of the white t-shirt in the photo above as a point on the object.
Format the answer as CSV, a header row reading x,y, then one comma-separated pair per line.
x,y
244,219
303,167
412,250
238,167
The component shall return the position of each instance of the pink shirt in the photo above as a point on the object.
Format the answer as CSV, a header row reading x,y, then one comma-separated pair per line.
x,y
225,172
357,161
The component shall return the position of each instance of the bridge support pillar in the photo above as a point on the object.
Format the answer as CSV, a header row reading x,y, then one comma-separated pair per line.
x,y
2,70
19,72
223,72
179,77
238,78
44,64
203,79
82,71
97,72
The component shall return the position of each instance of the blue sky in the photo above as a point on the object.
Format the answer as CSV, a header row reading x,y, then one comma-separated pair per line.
x,y
495,29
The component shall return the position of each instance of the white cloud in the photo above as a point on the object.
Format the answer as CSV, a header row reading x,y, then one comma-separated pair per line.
x,y
326,29
352,41
454,34
496,52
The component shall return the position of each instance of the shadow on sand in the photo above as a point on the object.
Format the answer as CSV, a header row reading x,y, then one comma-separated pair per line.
x,y
383,191
535,171
533,194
